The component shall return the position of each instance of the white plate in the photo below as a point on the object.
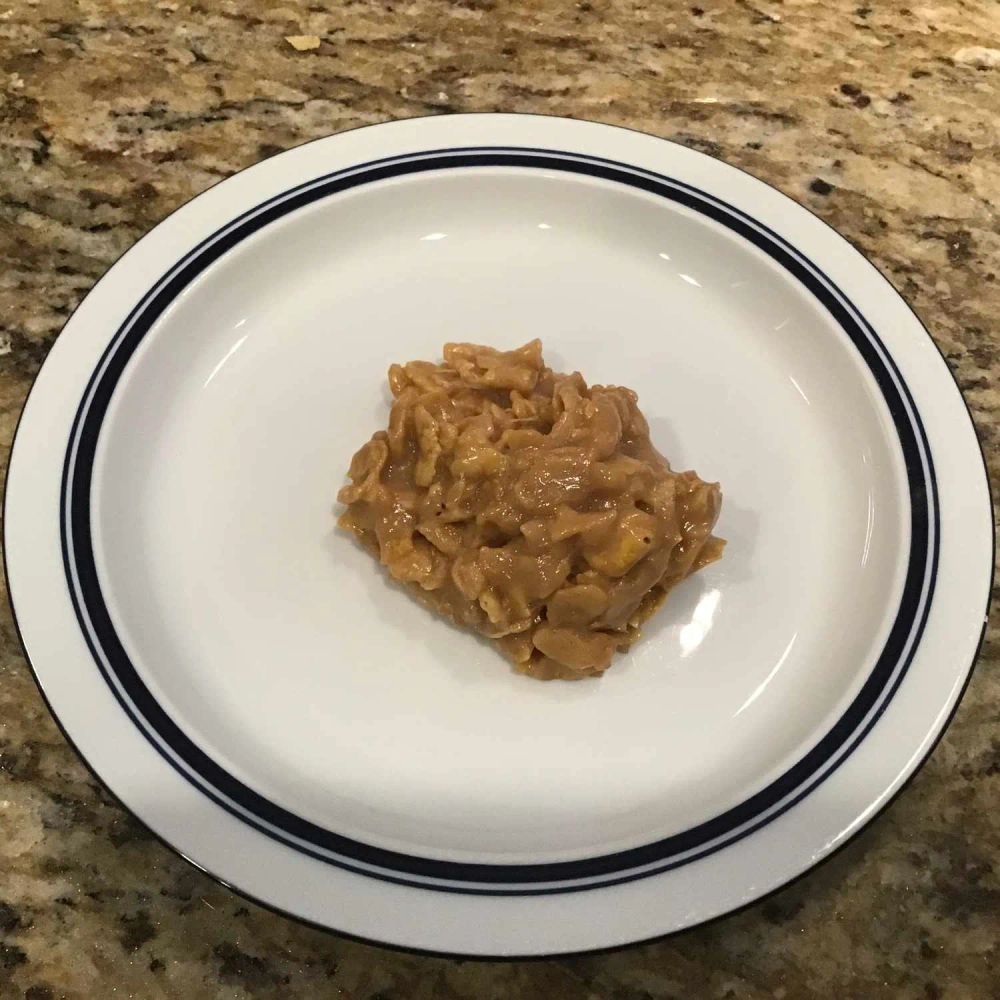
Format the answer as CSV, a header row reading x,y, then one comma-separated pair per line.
x,y
246,681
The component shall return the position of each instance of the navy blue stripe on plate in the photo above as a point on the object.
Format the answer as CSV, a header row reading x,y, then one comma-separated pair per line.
x,y
468,877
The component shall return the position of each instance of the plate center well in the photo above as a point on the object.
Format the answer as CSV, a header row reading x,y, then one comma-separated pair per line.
x,y
283,651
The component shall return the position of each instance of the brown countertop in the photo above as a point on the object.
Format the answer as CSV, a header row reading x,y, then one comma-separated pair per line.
x,y
880,118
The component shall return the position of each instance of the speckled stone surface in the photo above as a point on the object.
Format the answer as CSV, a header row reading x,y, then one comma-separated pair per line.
x,y
881,117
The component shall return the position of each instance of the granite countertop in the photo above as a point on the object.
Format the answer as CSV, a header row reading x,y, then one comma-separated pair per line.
x,y
881,118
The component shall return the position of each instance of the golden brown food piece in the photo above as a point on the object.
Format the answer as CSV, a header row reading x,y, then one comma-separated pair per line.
x,y
527,506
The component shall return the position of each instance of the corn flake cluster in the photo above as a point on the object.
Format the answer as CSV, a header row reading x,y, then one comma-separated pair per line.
x,y
528,506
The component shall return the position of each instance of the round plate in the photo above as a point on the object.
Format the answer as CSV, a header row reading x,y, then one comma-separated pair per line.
x,y
247,681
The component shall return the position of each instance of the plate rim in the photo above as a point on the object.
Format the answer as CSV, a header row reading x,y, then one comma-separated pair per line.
x,y
889,289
